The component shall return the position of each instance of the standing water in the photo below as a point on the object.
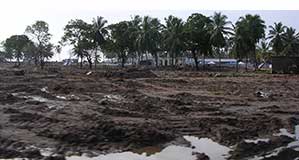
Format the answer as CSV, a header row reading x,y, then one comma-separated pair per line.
x,y
203,145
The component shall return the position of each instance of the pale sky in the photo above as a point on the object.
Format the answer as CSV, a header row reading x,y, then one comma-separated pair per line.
x,y
15,15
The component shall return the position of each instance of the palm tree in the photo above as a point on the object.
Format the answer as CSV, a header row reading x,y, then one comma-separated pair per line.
x,y
250,29
264,53
173,35
275,34
100,33
291,42
149,36
135,30
219,30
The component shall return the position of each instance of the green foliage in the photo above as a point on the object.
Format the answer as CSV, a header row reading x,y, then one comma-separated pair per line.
x,y
248,31
15,47
263,52
173,36
275,35
197,35
39,31
290,42
82,36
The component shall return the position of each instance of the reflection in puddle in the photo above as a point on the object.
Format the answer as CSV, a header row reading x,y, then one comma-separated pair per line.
x,y
203,145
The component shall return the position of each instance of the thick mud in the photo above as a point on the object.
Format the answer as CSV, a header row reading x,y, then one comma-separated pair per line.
x,y
75,111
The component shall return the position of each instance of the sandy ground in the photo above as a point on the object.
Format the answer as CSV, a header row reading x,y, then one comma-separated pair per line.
x,y
73,111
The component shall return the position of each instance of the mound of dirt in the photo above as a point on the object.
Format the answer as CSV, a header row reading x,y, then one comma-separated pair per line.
x,y
131,74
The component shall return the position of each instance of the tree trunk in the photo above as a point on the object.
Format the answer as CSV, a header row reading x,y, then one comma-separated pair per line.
x,y
123,61
218,50
204,62
195,59
139,58
96,58
89,62
42,63
237,66
81,63
18,61
255,59
146,56
156,59
246,62
172,59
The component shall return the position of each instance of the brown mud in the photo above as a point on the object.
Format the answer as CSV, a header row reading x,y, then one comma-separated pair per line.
x,y
108,111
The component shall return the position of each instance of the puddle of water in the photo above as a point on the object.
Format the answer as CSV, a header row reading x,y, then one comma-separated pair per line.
x,y
203,145
284,132
256,141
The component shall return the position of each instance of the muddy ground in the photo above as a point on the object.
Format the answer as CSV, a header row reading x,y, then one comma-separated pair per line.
x,y
73,111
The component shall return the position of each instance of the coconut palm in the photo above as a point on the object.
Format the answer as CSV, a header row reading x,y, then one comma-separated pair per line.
x,y
173,36
250,28
100,33
275,36
263,51
149,36
219,30
135,30
291,42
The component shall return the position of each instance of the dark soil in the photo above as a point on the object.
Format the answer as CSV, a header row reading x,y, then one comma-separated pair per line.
x,y
128,109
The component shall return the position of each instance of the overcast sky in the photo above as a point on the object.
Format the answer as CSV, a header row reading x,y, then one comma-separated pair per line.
x,y
15,15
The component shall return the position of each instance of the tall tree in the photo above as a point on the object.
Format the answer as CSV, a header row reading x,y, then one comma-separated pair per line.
x,y
219,30
250,29
31,53
15,46
263,52
197,36
39,31
80,35
290,42
173,37
100,34
135,32
275,35
149,37
120,41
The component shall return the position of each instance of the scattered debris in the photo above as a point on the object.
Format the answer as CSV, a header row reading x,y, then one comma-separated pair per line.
x,y
262,94
89,73
45,89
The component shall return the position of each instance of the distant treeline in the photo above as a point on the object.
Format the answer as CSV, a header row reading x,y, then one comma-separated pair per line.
x,y
197,37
